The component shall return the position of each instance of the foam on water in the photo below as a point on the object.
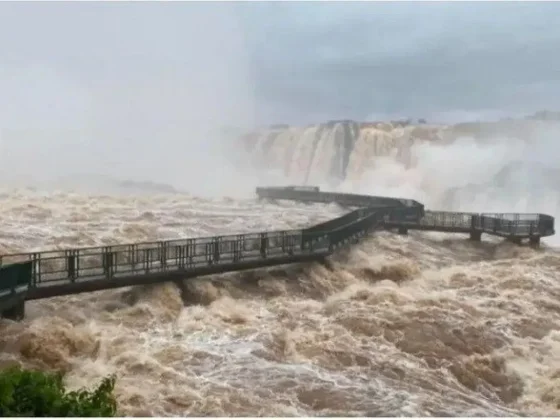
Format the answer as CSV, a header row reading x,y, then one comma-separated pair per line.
x,y
428,324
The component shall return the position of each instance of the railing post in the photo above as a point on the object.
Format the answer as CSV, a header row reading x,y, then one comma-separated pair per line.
x,y
264,244
163,255
36,269
111,262
290,244
179,256
190,248
217,241
209,253
239,245
132,257
235,257
71,264
108,262
147,259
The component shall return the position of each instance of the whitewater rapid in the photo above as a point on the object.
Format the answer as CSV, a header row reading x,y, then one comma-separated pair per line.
x,y
424,324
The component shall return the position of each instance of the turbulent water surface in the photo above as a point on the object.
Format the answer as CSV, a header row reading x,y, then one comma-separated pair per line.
x,y
424,324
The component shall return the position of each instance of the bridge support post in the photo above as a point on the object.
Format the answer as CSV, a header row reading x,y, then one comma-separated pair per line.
x,y
535,241
16,312
402,230
475,235
185,293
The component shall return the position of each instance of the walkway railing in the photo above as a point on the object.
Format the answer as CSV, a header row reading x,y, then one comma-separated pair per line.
x,y
152,257
20,274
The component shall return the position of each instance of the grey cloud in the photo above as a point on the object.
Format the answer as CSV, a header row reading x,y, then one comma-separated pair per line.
x,y
354,59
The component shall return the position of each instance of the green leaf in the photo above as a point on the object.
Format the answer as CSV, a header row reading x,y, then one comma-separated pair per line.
x,y
26,393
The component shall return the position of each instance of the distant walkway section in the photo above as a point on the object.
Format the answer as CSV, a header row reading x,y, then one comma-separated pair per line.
x,y
513,226
47,274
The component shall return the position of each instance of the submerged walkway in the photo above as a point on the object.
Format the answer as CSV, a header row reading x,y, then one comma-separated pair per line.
x,y
40,275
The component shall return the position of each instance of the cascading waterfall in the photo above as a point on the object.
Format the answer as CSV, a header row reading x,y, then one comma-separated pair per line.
x,y
335,151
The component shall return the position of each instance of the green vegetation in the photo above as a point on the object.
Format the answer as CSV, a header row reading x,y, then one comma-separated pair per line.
x,y
25,393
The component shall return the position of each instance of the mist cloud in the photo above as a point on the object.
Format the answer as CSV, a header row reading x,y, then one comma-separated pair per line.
x,y
137,90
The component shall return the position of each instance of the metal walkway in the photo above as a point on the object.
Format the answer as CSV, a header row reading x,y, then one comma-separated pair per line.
x,y
40,275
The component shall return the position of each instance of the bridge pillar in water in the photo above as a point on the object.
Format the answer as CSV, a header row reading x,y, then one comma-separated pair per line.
x,y
475,235
535,241
403,230
16,312
185,293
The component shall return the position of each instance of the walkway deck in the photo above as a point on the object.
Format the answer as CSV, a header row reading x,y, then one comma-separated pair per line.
x,y
40,275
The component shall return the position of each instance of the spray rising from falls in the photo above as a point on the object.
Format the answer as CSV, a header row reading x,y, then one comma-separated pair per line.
x,y
509,165
333,151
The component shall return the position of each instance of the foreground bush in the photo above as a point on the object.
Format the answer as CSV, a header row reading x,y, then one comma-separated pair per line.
x,y
25,393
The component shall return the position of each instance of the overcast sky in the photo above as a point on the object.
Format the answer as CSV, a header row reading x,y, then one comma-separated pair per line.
x,y
275,61
123,74
356,59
